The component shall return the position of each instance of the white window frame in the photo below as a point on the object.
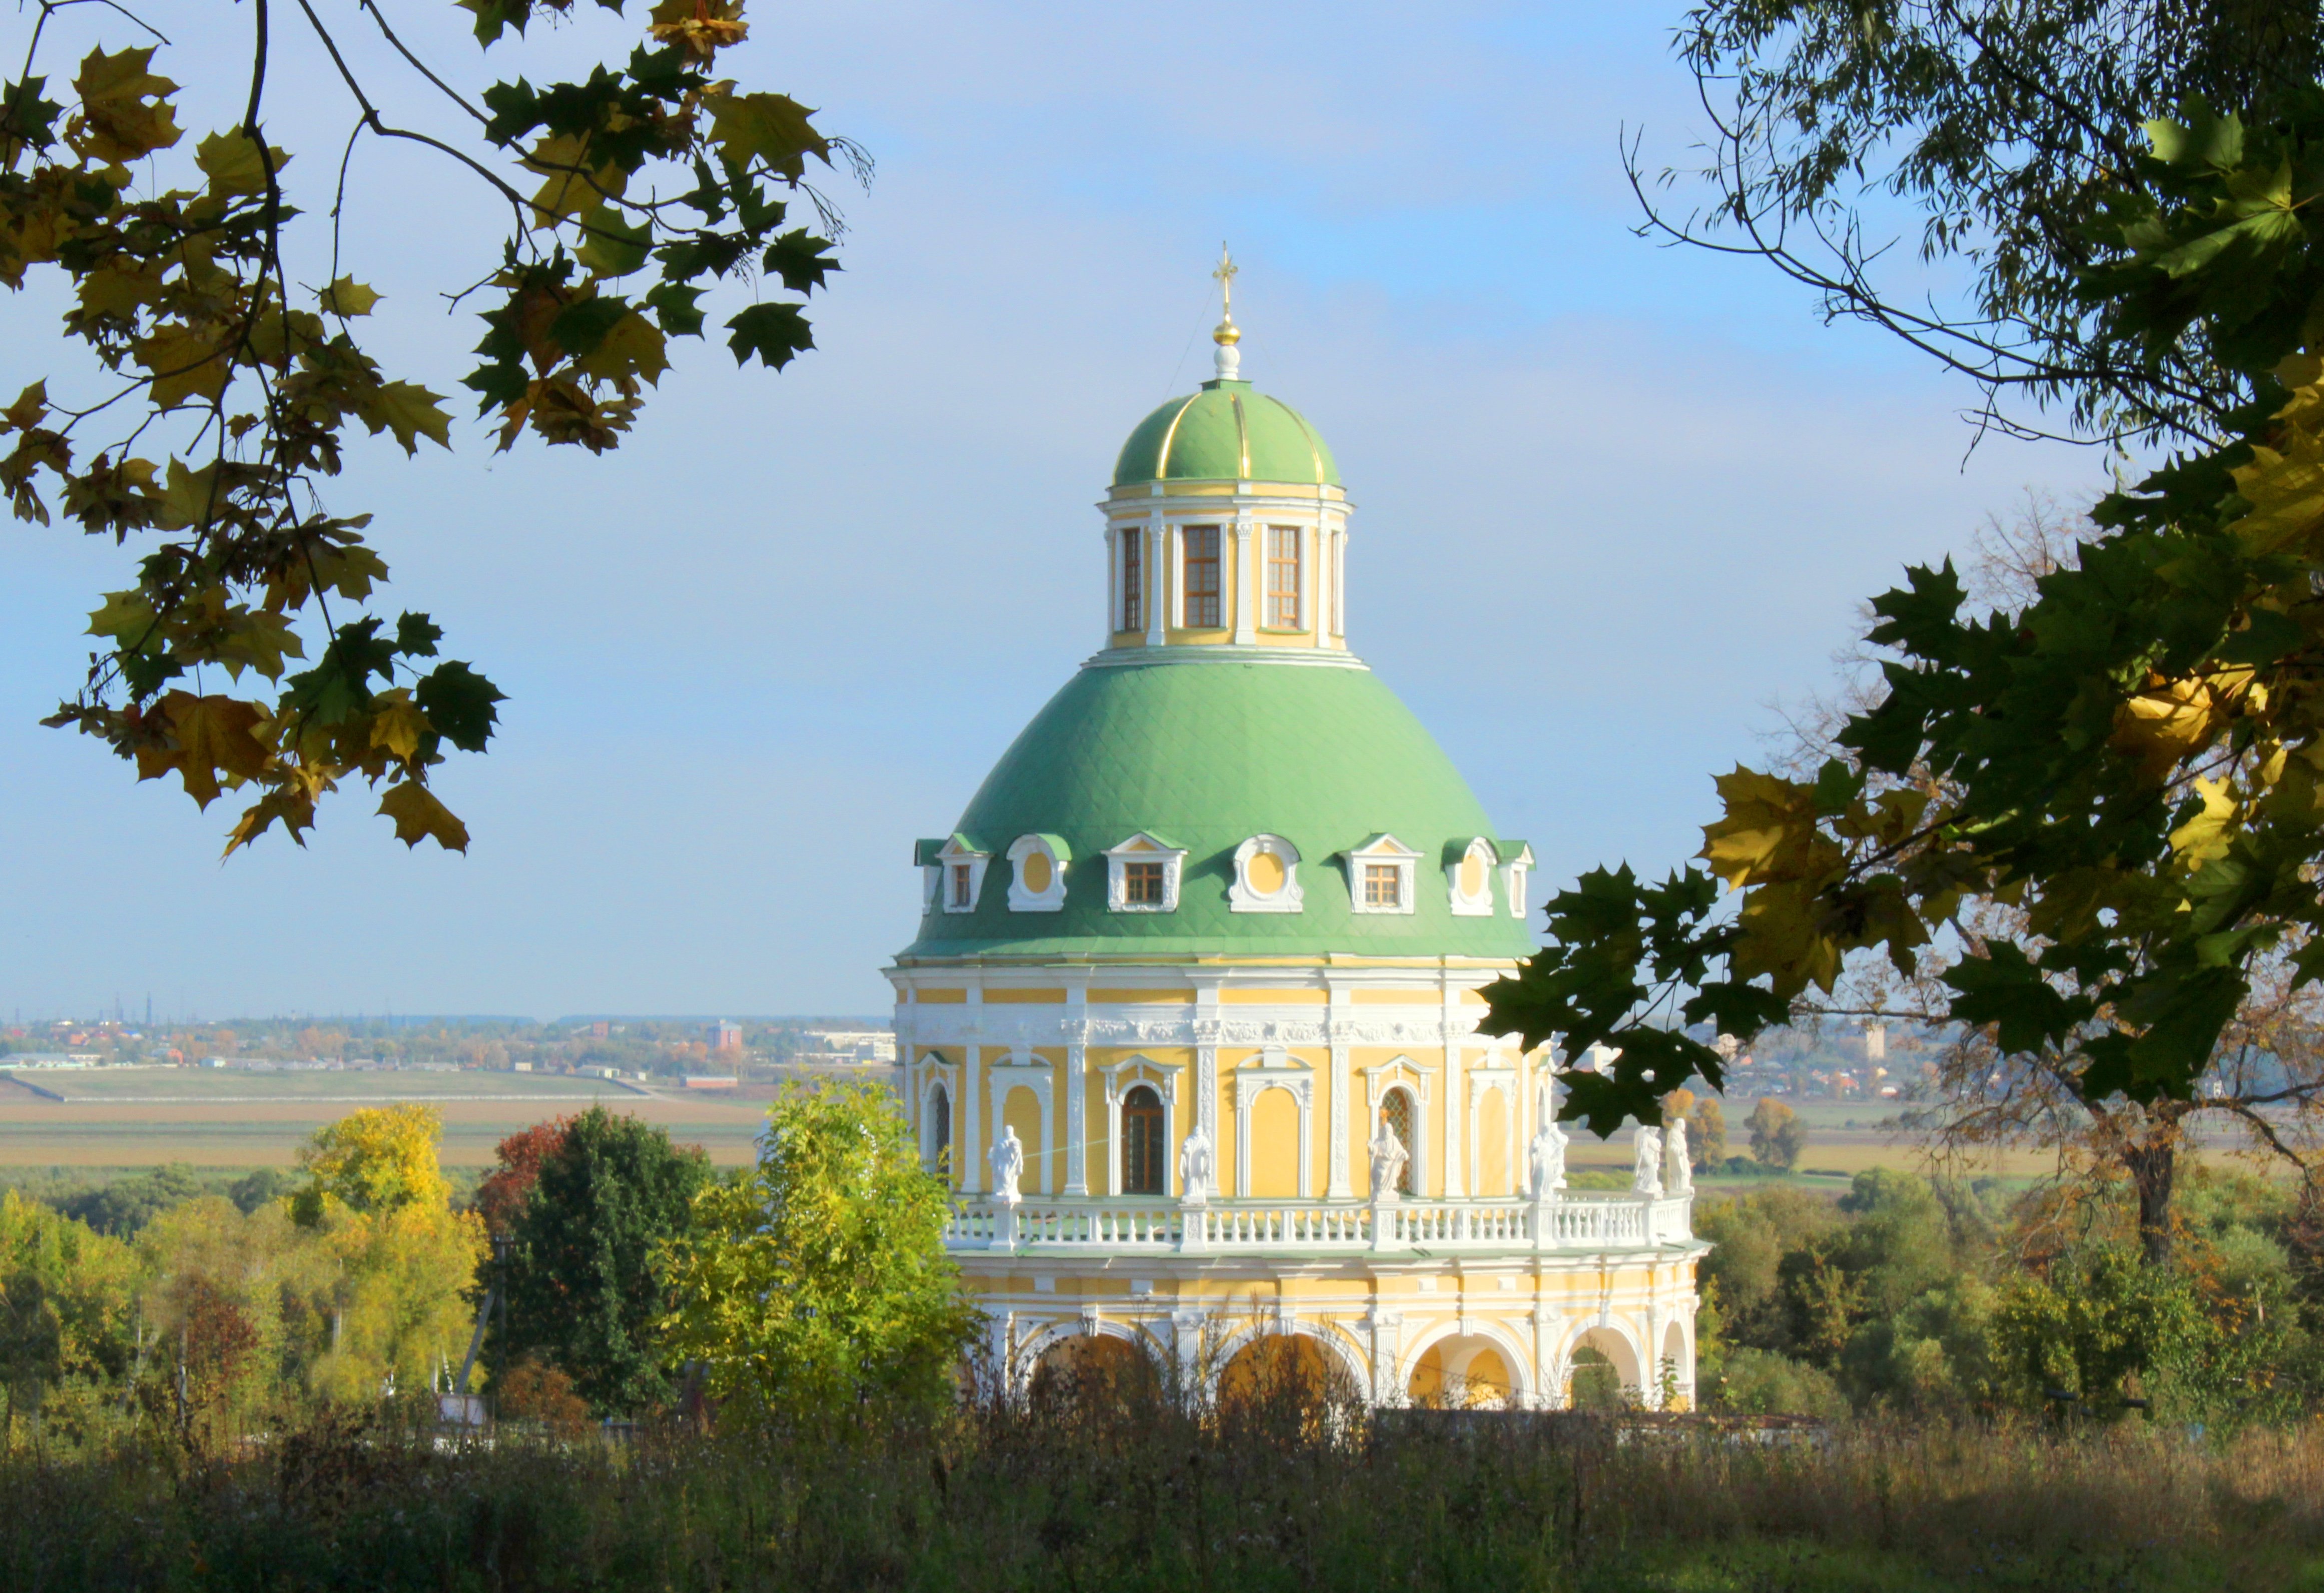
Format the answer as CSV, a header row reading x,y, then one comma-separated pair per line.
x,y
1383,849
1514,871
1053,900
956,852
1121,1078
1243,897
1479,905
937,1074
1017,1066
1143,848
1274,1069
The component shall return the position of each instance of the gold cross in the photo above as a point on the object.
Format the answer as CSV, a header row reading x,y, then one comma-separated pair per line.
x,y
1225,276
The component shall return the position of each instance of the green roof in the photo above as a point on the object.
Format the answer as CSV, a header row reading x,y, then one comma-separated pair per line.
x,y
1211,752
1228,431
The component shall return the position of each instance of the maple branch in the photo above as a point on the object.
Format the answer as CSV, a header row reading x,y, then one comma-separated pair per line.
x,y
417,64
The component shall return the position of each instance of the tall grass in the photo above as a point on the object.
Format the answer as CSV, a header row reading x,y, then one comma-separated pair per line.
x,y
1080,1494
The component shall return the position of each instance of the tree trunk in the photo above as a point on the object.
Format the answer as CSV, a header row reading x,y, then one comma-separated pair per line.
x,y
2153,1168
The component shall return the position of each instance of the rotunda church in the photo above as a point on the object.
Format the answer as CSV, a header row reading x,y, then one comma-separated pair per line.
x,y
1191,1022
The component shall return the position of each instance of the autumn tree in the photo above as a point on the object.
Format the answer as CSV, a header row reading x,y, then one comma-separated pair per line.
x,y
585,1289
501,1195
2130,759
817,1285
1777,1135
217,366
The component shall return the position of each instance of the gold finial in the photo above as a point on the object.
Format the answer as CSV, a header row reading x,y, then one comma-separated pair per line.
x,y
1227,333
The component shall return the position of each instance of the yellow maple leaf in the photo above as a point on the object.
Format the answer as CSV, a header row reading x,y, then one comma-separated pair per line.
x,y
409,410
397,723
230,161
419,816
347,296
214,733
703,27
186,362
124,111
2285,490
2166,722
634,347
1768,831
2206,836
574,188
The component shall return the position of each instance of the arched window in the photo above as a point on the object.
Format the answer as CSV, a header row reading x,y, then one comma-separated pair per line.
x,y
1397,1113
939,1147
1145,1166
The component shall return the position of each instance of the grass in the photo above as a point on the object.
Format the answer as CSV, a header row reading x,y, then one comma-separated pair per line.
x,y
1282,1496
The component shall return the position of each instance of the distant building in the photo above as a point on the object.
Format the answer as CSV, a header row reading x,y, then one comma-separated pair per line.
x,y
1876,1041
601,1029
711,1080
725,1037
853,1045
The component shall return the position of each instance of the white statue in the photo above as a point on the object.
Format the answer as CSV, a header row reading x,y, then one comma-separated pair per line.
x,y
1647,1175
1008,1159
1388,1156
1678,1166
1194,1166
1545,1158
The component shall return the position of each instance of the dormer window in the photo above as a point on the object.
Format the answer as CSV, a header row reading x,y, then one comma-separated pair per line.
x,y
1469,871
1039,885
1381,876
1142,874
1266,877
953,871
1516,866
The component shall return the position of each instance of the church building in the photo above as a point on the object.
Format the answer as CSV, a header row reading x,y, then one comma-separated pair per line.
x,y
1191,1022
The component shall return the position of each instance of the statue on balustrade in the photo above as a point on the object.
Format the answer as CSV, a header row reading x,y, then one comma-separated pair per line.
x,y
1545,1158
1646,1174
1678,1166
1194,1166
1388,1156
1008,1159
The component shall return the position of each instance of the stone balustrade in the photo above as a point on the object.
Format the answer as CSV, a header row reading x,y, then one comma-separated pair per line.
x,y
1576,1220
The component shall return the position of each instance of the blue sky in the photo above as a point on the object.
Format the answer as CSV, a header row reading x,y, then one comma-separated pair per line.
x,y
1613,501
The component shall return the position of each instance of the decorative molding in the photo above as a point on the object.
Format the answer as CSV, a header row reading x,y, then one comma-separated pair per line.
x,y
1515,870
1274,1069
1479,903
1337,1186
1492,1075
1143,848
1077,1108
1382,849
1243,897
955,855
1120,1079
1055,854
1035,1073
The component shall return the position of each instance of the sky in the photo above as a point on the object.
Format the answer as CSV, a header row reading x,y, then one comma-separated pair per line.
x,y
1615,503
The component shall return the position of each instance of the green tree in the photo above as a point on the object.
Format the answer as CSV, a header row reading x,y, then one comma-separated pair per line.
x,y
608,1195
818,1284
230,377
67,1294
2006,128
1777,1135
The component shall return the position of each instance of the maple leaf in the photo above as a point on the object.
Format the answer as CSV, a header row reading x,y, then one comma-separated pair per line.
x,y
775,332
30,408
214,733
397,723
186,362
408,409
701,27
632,347
418,816
230,161
770,127
124,107
347,297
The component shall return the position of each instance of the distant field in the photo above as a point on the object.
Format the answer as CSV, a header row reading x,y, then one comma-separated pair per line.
x,y
142,1117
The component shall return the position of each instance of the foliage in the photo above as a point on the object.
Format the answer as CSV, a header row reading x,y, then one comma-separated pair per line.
x,y
1777,1135
125,1205
584,1290
376,1158
2003,127
64,1300
181,266
501,1197
1707,1141
2130,761
817,1283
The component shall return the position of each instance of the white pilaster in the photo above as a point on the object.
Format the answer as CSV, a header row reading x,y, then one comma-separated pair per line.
x,y
972,1139
1076,1104
1340,1188
1246,579
1156,593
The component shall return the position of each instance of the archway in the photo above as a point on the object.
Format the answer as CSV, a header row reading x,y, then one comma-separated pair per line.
x,y
1602,1372
1094,1377
1285,1379
1463,1372
1676,1372
937,1147
1398,1112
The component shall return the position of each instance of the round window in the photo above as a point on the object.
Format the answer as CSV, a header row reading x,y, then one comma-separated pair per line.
x,y
1037,872
1264,873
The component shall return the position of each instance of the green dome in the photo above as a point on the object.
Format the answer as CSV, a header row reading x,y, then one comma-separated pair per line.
x,y
1228,431
1205,755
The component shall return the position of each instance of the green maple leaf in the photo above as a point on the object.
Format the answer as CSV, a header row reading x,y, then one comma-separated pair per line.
x,y
775,332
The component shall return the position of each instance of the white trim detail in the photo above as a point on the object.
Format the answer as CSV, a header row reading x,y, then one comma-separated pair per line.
x,y
1057,854
1514,873
1121,1078
1243,897
1503,1078
1033,1072
1399,1072
1479,905
1143,848
957,854
1381,849
1274,1069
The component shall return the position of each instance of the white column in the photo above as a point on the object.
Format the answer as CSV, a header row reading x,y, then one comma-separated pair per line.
x,y
972,1139
1311,577
1246,579
1076,1103
1112,581
1454,1112
1156,535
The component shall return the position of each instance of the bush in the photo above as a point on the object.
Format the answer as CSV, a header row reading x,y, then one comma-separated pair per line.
x,y
1761,1383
